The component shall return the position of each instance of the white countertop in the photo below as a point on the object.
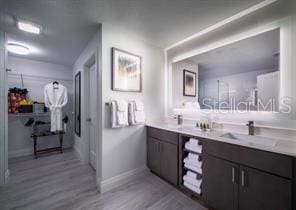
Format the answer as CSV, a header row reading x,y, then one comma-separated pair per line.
x,y
282,146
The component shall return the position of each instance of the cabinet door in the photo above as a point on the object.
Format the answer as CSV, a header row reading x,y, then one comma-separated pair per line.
x,y
153,155
169,162
220,183
263,191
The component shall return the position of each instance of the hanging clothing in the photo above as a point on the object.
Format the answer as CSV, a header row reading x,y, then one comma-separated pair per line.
x,y
55,98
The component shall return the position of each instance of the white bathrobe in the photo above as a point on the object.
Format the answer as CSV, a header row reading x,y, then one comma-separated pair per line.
x,y
55,98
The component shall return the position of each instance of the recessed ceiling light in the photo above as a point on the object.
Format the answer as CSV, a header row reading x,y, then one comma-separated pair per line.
x,y
18,49
29,27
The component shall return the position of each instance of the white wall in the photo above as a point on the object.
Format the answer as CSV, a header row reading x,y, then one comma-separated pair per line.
x,y
36,75
124,149
177,77
3,111
81,144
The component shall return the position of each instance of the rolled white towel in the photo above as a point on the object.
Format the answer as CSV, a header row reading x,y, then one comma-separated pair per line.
x,y
197,149
192,187
193,141
191,174
194,182
193,162
195,157
193,168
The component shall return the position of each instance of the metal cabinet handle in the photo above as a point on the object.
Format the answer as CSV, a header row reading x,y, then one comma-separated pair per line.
x,y
243,178
233,175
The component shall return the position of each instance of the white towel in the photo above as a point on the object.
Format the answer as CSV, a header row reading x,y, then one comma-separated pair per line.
x,y
122,112
121,105
139,117
192,156
131,113
197,149
139,106
191,174
193,142
114,123
136,113
193,162
193,168
190,180
118,118
192,187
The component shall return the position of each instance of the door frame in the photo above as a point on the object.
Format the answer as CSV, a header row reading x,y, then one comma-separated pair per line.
x,y
4,172
86,128
86,91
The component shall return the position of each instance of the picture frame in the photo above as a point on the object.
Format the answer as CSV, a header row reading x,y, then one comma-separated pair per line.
x,y
77,108
189,83
126,71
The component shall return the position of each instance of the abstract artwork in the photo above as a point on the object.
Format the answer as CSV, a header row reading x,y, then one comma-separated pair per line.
x,y
126,71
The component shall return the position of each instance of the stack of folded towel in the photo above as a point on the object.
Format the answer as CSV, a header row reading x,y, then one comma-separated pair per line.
x,y
192,181
193,145
136,113
124,114
119,113
193,162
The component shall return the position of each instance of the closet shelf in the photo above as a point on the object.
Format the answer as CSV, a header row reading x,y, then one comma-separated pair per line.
x,y
28,114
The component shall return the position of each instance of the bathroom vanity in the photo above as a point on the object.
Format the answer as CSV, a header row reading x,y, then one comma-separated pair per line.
x,y
236,174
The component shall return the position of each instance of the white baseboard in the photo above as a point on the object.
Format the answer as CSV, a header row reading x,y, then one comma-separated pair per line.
x,y
20,152
121,179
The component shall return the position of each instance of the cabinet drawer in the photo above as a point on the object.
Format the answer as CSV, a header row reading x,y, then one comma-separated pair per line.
x,y
270,162
267,161
163,135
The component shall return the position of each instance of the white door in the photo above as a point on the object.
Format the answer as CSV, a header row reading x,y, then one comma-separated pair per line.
x,y
92,113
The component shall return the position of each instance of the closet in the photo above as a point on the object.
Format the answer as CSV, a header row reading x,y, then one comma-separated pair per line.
x,y
26,81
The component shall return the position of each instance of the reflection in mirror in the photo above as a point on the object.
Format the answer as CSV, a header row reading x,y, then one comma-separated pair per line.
x,y
243,75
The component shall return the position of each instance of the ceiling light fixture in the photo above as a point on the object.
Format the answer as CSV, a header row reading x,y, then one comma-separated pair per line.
x,y
18,49
29,27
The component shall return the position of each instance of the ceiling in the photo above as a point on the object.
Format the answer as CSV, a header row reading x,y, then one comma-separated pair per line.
x,y
251,54
69,24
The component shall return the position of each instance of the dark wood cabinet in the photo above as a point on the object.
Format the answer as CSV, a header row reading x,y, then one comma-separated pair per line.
x,y
233,177
153,155
232,173
169,162
262,191
220,183
162,154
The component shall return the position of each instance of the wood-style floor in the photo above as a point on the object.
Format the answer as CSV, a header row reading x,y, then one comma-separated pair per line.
x,y
61,181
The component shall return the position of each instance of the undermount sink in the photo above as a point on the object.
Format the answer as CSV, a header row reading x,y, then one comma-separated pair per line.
x,y
174,126
251,139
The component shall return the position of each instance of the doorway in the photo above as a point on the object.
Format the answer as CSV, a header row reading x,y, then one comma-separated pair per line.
x,y
91,109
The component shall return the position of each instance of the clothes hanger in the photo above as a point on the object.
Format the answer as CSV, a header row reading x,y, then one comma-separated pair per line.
x,y
55,83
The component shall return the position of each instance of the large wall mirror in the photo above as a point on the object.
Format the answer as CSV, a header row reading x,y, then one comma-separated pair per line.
x,y
243,75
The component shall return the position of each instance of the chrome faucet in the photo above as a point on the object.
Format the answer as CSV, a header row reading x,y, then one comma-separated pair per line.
x,y
179,119
251,128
